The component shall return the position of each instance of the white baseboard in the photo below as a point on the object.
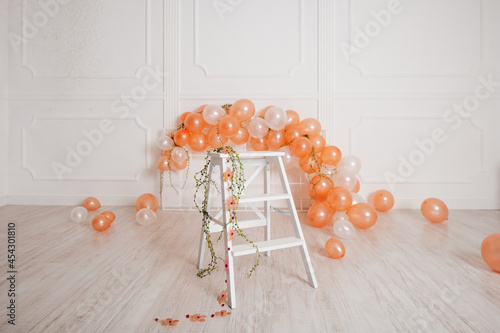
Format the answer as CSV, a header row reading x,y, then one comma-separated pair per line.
x,y
52,200
3,200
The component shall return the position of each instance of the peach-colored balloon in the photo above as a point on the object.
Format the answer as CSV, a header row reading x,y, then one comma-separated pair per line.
x,y
228,126
163,163
198,142
276,139
362,215
293,132
319,187
241,137
183,117
264,110
194,122
383,200
340,199
166,153
214,139
319,215
181,137
179,166
301,147
434,210
101,222
310,126
310,163
318,142
146,200
110,215
490,250
259,144
335,248
200,109
331,155
91,204
242,110
357,186
292,118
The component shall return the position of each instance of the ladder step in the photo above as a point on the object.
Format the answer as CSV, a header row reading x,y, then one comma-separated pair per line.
x,y
243,224
275,244
264,197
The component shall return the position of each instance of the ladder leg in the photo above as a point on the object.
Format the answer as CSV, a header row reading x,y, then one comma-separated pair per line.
x,y
296,224
203,240
231,290
267,206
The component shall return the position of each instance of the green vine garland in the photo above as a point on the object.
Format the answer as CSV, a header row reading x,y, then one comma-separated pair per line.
x,y
236,186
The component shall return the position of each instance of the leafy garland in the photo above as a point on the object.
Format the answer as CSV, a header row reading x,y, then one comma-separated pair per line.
x,y
236,186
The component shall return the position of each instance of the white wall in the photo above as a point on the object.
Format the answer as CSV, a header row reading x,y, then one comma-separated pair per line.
x,y
80,65
375,103
4,125
395,88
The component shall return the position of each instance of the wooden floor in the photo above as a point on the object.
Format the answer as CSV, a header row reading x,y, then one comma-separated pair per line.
x,y
403,275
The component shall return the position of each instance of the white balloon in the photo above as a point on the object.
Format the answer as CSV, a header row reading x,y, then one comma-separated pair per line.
x,y
212,113
328,170
78,214
344,229
349,163
178,155
146,216
165,142
357,198
257,128
345,179
289,160
275,118
340,216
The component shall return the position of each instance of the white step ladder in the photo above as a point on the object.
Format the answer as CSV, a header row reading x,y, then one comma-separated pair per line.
x,y
262,160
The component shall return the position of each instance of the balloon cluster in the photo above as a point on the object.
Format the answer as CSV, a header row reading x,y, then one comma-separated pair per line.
x,y
146,206
100,222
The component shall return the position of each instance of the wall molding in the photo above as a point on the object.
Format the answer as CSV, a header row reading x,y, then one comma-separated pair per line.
x,y
34,176
234,96
19,96
147,52
170,62
69,200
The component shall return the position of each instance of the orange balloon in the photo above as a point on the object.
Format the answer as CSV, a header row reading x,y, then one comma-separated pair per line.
x,y
331,155
163,163
293,132
310,163
228,126
181,137
301,147
340,199
179,166
310,126
183,117
292,118
318,142
194,122
276,139
335,248
434,210
362,215
198,142
165,153
263,112
91,204
319,187
241,137
101,222
490,250
214,139
259,144
319,215
146,200
110,215
242,110
200,109
383,200
357,186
